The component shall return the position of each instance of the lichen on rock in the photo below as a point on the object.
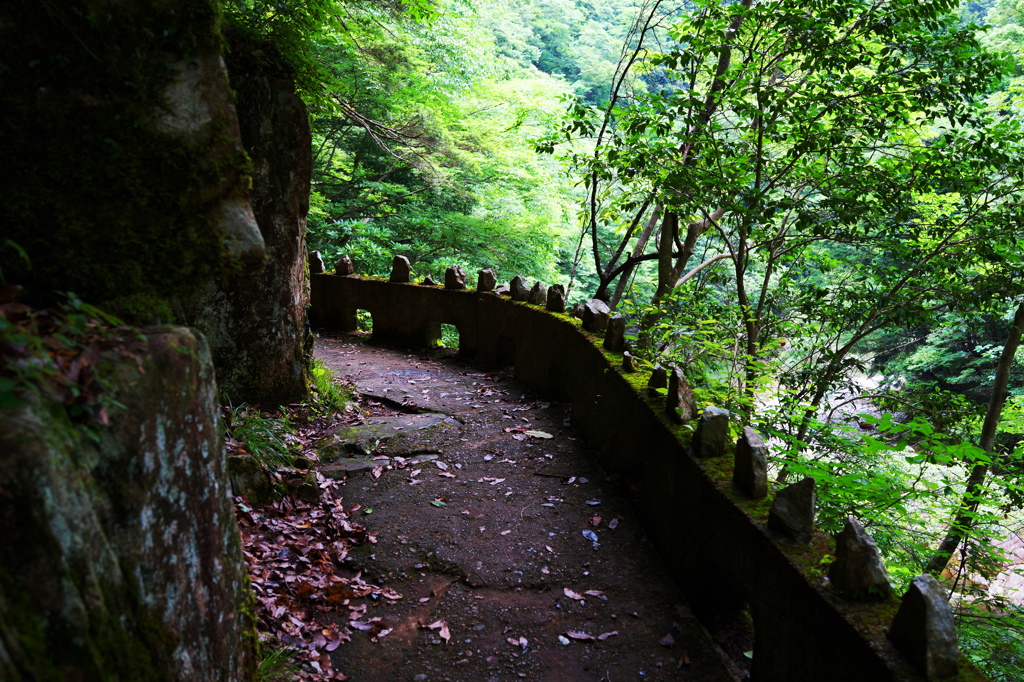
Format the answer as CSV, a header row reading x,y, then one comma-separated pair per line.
x,y
120,556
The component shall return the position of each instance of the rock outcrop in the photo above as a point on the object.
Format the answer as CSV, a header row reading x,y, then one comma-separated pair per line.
x,y
126,182
256,321
120,555
124,179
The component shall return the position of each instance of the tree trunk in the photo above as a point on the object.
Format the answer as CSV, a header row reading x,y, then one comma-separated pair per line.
x,y
638,250
960,526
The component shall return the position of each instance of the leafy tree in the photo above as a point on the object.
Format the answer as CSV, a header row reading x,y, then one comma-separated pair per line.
x,y
791,132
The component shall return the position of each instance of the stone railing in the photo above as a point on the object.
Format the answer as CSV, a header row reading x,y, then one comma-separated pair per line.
x,y
710,514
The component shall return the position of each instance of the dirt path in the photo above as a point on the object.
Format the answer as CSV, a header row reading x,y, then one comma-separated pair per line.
x,y
486,520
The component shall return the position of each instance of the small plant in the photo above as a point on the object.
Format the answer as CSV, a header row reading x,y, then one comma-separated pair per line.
x,y
449,336
327,394
265,438
278,665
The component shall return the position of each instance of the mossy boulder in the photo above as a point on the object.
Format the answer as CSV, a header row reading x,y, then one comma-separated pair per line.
x,y
120,556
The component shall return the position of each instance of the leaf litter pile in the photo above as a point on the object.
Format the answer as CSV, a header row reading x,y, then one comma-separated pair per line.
x,y
308,602
295,552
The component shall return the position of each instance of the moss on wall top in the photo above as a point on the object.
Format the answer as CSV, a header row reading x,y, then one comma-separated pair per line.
x,y
118,146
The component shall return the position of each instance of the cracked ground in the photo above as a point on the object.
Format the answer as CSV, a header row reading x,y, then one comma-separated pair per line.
x,y
515,556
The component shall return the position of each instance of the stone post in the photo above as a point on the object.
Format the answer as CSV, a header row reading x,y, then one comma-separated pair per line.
x,y
659,379
615,334
924,631
750,471
858,571
486,280
518,289
454,278
556,298
316,263
595,315
401,271
538,294
344,267
792,512
680,403
712,433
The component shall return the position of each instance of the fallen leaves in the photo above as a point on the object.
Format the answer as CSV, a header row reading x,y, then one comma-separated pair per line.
x,y
585,636
442,627
294,551
580,636
521,642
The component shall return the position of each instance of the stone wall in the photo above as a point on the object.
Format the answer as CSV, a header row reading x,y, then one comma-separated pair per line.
x,y
120,557
716,540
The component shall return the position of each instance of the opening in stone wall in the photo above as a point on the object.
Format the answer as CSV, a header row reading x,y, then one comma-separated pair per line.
x,y
449,336
364,320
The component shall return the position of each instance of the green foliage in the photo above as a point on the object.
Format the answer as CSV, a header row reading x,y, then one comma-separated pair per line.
x,y
266,438
449,336
426,154
327,394
993,641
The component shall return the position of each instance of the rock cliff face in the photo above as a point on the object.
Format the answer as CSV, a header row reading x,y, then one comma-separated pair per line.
x,y
125,181
120,557
124,177
256,322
